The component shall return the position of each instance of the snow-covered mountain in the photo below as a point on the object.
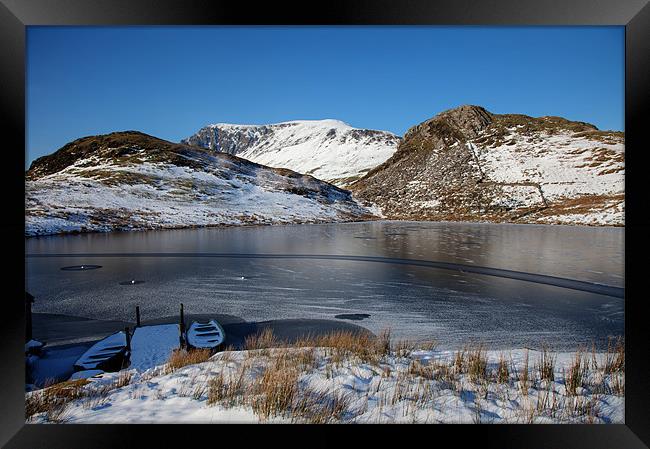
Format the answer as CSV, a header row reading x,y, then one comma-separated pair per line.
x,y
130,180
327,149
469,164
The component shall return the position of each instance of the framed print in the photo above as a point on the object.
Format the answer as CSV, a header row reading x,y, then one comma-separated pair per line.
x,y
430,214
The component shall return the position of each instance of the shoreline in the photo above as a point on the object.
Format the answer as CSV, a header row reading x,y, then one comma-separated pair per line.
x,y
68,337
58,330
251,225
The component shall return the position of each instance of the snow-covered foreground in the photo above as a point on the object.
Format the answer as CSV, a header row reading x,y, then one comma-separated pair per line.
x,y
406,385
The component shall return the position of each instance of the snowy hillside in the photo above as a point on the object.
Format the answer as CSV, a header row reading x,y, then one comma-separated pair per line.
x,y
130,180
469,164
327,149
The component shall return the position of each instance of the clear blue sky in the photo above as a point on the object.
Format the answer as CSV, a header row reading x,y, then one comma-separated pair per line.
x,y
170,81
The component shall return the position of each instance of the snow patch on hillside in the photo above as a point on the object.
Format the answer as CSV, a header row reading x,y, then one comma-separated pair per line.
x,y
106,196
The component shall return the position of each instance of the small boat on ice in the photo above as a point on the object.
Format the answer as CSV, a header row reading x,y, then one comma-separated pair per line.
x,y
208,335
106,355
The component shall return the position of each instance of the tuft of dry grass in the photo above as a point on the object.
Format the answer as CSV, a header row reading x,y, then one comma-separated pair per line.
x,y
123,379
618,384
403,348
226,355
97,396
228,389
275,391
217,389
305,359
180,358
574,378
503,374
319,407
524,376
417,369
199,391
54,399
477,364
459,361
615,356
384,342
261,340
429,345
546,365
338,345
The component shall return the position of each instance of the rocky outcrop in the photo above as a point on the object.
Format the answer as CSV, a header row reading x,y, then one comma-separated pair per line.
x,y
472,165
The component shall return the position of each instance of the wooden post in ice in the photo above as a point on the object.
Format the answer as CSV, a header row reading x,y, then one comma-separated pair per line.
x,y
127,332
181,328
137,316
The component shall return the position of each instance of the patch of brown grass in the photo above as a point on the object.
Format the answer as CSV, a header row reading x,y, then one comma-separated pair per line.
x,y
261,340
503,374
123,379
341,345
615,356
574,378
546,365
319,407
524,376
618,384
180,358
403,348
229,389
477,364
417,369
275,391
459,361
54,399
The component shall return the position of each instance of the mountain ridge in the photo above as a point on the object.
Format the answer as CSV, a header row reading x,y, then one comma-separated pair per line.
x,y
468,164
463,164
329,149
130,180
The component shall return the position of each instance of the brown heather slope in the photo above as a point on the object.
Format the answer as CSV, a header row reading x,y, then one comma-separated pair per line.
x,y
468,164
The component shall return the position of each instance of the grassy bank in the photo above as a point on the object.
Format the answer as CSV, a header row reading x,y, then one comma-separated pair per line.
x,y
347,377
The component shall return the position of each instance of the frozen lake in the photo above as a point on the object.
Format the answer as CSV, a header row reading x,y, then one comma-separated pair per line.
x,y
282,280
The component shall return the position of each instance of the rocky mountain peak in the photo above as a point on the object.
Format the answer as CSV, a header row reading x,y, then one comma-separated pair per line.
x,y
462,122
469,164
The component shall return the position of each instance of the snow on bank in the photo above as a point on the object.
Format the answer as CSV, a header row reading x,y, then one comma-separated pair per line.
x,y
394,390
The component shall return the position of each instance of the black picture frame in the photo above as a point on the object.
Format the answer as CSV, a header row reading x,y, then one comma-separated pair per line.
x,y
15,15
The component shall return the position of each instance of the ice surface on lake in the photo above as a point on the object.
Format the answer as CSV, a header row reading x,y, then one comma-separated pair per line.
x,y
415,302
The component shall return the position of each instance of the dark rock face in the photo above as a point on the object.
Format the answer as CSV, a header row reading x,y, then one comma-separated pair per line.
x,y
456,165
229,140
